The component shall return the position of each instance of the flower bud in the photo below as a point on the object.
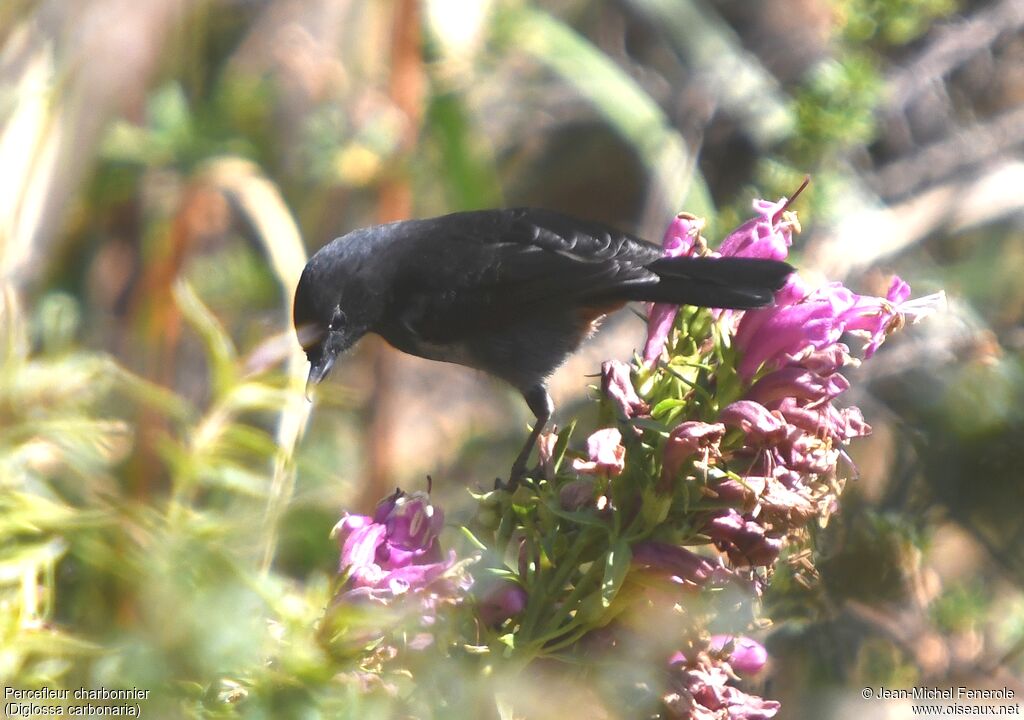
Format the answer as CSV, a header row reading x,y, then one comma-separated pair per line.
x,y
680,564
744,541
502,599
617,386
747,657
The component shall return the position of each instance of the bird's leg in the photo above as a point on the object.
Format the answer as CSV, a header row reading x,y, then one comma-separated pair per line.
x,y
539,402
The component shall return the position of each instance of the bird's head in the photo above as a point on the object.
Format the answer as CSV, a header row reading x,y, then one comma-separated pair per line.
x,y
326,324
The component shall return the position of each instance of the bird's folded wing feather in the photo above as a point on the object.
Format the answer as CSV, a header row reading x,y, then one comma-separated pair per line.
x,y
486,269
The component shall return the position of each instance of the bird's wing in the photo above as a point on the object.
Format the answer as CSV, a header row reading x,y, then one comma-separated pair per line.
x,y
475,270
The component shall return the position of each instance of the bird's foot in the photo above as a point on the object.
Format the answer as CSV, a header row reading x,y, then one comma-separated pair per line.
x,y
509,485
515,476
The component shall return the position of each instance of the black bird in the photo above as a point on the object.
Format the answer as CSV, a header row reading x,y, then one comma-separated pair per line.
x,y
510,292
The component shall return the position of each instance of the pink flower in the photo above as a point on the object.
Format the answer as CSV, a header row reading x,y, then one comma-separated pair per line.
x,y
681,565
797,382
606,454
826,360
768,236
795,324
703,692
874,318
744,495
747,657
805,322
754,419
743,540
618,387
685,441
396,552
808,453
824,419
681,238
502,599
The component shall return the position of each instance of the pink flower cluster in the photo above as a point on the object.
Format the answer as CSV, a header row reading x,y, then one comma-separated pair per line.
x,y
704,693
396,554
776,447
700,688
791,356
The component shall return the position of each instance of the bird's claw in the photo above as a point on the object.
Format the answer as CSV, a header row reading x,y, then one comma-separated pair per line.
x,y
515,476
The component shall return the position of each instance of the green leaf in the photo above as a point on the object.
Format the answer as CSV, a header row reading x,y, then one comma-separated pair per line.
x,y
236,479
665,405
690,382
670,417
499,572
650,424
473,540
576,516
655,506
220,351
616,567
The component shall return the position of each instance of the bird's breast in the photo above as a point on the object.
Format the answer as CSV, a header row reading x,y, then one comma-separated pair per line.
x,y
411,343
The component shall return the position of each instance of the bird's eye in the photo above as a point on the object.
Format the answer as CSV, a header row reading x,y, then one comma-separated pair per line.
x,y
337,320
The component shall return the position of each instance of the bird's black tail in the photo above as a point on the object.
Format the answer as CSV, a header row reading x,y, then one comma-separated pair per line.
x,y
737,283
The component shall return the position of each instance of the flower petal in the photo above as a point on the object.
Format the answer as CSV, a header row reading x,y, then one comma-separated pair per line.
x,y
607,455
768,236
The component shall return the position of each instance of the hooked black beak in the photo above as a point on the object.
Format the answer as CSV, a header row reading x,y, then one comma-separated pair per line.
x,y
318,371
332,346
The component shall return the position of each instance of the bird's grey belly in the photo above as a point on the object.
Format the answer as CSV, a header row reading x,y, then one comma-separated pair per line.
x,y
522,353
456,353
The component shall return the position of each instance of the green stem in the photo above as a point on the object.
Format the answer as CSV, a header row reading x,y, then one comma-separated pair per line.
x,y
568,564
689,383
572,602
559,631
536,601
702,366
567,641
551,588
505,527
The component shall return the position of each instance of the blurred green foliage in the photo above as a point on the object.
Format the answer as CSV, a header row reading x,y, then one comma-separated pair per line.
x,y
890,22
835,110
